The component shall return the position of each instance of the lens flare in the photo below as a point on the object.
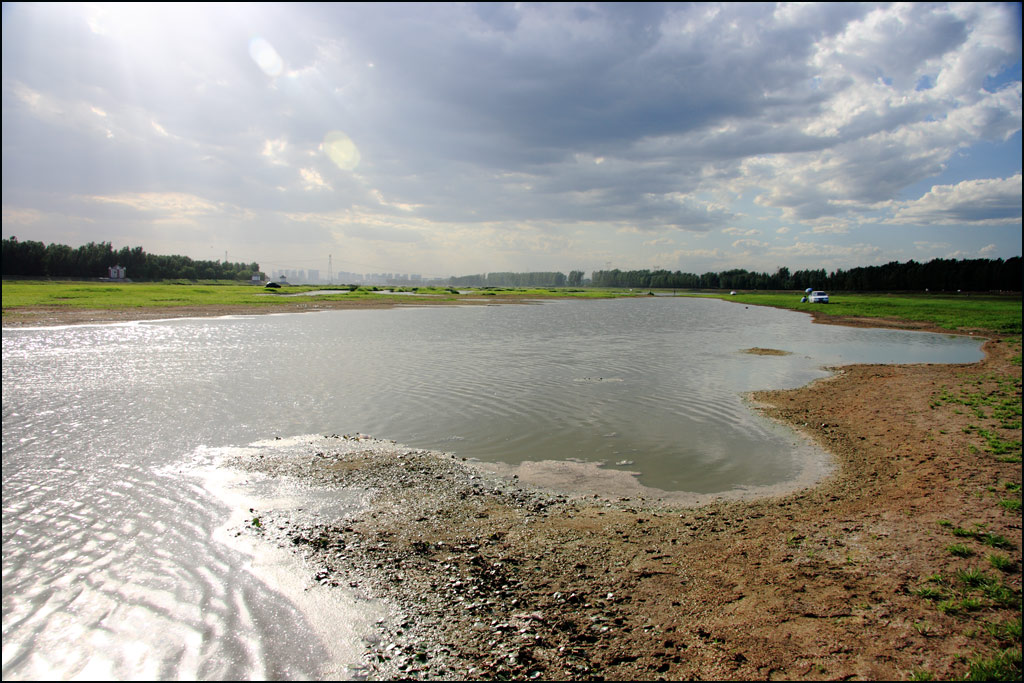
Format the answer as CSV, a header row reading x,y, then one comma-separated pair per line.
x,y
266,57
341,150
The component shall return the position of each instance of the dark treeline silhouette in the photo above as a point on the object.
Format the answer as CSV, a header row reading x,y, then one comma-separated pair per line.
x,y
35,259
976,275
539,279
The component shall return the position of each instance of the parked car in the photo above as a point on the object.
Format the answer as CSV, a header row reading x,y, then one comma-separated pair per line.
x,y
819,298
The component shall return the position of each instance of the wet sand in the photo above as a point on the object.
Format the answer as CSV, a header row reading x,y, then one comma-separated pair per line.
x,y
47,316
493,577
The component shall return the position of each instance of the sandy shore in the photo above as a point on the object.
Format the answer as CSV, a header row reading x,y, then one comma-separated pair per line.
x,y
48,316
496,578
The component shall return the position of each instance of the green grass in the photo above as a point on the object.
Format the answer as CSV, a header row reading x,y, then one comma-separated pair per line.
x,y
994,398
27,294
929,593
1003,666
1010,504
999,314
1006,631
978,534
1001,562
19,294
972,577
959,549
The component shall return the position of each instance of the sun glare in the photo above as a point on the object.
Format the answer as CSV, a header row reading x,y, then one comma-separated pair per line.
x,y
341,150
266,57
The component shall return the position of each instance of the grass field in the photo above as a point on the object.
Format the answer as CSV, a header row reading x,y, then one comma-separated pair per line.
x,y
23,294
991,313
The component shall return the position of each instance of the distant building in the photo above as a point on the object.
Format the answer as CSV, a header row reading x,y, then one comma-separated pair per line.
x,y
117,272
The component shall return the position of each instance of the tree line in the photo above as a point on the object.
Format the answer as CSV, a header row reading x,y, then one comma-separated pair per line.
x,y
92,260
535,279
978,275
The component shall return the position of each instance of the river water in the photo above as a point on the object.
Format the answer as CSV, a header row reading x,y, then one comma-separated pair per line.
x,y
116,557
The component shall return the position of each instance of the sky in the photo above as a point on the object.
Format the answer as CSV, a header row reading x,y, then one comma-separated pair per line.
x,y
451,139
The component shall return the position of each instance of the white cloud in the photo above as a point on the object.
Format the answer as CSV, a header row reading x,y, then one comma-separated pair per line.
x,y
990,201
274,151
747,244
168,204
312,179
931,246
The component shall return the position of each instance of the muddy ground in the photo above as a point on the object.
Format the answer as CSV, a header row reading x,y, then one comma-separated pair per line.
x,y
853,578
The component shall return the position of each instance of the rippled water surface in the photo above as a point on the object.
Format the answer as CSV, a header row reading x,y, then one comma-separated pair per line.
x,y
113,561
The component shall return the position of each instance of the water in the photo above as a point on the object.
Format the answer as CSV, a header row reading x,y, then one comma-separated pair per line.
x,y
116,562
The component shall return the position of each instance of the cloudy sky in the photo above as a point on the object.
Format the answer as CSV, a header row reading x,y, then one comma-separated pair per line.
x,y
453,139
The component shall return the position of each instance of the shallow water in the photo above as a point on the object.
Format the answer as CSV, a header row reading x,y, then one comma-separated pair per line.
x,y
115,558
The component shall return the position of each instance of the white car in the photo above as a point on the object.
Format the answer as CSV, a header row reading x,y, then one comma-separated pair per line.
x,y
818,298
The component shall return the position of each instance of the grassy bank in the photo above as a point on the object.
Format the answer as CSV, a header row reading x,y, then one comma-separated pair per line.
x,y
999,314
28,294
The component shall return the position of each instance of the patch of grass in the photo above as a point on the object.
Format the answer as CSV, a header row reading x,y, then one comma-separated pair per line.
x,y
1000,594
1001,562
959,549
1005,665
1006,631
950,606
1010,504
972,577
971,604
924,628
997,445
929,593
995,540
982,536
